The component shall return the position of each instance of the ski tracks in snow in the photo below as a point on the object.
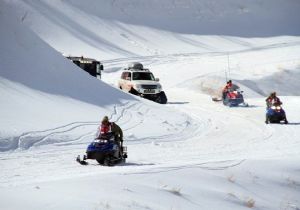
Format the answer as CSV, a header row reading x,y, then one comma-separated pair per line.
x,y
68,134
131,116
49,136
196,134
38,154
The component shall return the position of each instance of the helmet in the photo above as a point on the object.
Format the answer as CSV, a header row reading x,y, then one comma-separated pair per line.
x,y
105,120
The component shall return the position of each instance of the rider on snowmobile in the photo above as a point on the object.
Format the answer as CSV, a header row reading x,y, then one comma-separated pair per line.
x,y
273,100
227,88
112,127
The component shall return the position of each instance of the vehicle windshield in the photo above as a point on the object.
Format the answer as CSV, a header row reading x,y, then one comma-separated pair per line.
x,y
143,76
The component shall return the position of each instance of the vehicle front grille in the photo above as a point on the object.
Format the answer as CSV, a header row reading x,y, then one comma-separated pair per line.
x,y
149,86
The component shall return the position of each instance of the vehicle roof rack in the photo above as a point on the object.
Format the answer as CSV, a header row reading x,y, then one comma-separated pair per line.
x,y
136,66
127,69
81,59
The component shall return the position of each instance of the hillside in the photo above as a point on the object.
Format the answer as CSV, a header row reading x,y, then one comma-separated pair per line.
x,y
112,29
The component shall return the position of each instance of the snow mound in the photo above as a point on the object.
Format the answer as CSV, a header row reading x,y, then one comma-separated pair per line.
x,y
38,84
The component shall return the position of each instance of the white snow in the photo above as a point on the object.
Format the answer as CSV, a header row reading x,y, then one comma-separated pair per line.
x,y
191,153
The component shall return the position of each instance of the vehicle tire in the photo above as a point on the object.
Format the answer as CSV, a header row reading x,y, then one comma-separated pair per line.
x,y
267,119
107,162
134,92
100,161
225,101
162,98
123,161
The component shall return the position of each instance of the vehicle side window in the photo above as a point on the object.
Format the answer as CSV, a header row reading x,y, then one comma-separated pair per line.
x,y
123,76
135,76
128,77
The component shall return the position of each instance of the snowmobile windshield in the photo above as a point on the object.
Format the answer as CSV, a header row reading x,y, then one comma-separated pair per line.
x,y
143,76
107,136
234,87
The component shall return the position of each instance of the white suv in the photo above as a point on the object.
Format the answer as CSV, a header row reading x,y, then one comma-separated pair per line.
x,y
139,81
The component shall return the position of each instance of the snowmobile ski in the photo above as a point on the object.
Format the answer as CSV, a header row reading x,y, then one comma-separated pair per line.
x,y
81,162
216,99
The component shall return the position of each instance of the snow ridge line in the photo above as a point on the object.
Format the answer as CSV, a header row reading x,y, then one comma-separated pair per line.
x,y
162,58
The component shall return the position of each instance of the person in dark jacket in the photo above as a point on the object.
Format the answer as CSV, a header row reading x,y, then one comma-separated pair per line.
x,y
272,100
107,126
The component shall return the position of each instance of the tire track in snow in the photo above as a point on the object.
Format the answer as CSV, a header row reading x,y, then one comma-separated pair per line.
x,y
67,132
20,142
212,165
138,121
261,133
163,59
249,135
186,129
29,140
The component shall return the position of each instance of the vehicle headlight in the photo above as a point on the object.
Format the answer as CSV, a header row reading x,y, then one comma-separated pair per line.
x,y
137,86
159,86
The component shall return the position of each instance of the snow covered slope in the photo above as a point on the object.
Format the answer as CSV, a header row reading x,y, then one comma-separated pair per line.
x,y
127,28
40,88
189,154
45,95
